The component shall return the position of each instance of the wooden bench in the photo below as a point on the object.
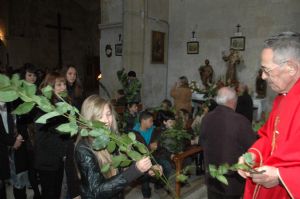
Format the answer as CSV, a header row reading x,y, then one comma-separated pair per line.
x,y
178,159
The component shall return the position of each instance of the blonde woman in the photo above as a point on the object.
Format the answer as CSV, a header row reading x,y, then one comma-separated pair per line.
x,y
94,184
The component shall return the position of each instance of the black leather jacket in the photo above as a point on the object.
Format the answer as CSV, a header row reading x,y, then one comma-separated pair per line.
x,y
93,184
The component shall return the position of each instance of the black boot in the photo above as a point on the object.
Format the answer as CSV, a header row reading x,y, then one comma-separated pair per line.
x,y
20,193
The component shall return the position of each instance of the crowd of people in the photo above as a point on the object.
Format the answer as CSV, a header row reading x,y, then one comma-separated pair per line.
x,y
37,154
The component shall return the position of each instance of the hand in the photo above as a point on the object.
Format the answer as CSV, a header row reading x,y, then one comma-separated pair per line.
x,y
268,179
157,168
144,164
18,142
77,197
243,173
153,146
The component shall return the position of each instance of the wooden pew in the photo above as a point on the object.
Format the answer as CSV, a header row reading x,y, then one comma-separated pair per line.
x,y
178,159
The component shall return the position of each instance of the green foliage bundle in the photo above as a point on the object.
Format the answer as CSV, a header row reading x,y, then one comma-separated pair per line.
x,y
131,89
173,139
220,172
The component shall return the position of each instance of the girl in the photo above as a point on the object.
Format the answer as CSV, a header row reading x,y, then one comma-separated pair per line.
x,y
94,184
50,145
74,87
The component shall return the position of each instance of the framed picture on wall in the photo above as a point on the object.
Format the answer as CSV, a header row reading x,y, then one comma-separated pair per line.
x,y
118,49
237,43
157,47
192,47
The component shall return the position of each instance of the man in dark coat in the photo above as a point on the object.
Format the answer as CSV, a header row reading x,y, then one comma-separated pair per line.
x,y
225,136
244,102
6,139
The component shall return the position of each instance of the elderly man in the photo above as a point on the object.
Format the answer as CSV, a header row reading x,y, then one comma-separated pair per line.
x,y
225,135
277,151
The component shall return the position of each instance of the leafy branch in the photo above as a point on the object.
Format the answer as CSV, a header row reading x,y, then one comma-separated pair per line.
x,y
220,172
127,145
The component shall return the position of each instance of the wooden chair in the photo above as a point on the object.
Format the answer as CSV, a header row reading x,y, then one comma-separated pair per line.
x,y
178,159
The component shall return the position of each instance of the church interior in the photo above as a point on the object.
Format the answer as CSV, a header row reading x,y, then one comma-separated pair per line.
x,y
209,42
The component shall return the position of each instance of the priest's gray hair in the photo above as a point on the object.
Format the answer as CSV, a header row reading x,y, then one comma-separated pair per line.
x,y
285,46
225,94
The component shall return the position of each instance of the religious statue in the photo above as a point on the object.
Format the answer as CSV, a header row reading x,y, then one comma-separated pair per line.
x,y
233,59
206,74
261,85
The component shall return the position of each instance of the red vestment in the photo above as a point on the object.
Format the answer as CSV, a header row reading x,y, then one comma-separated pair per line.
x,y
279,146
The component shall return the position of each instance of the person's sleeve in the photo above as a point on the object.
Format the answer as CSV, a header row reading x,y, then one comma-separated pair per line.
x,y
93,178
6,139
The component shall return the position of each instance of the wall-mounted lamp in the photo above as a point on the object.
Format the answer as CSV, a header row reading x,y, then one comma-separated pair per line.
x,y
193,36
238,33
120,38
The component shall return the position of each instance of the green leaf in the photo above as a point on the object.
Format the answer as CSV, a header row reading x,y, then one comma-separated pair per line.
x,y
43,119
8,96
125,163
94,133
181,178
141,147
45,104
84,133
132,136
100,142
239,166
4,81
47,91
134,155
15,80
24,108
30,89
222,179
223,169
63,107
248,158
105,168
63,94
111,147
116,160
66,127
98,124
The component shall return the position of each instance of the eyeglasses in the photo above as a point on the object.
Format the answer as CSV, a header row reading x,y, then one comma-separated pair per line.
x,y
268,71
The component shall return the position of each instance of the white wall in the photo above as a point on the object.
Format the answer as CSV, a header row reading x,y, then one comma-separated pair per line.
x,y
111,13
214,22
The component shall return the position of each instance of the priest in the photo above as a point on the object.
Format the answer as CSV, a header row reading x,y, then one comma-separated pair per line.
x,y
277,152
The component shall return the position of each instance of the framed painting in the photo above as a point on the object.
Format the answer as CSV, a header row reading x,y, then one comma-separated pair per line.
x,y
192,47
118,49
237,43
158,47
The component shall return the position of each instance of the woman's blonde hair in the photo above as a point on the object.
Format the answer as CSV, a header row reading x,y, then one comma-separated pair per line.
x,y
92,109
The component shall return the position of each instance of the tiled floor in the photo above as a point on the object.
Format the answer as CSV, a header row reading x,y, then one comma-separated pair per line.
x,y
195,190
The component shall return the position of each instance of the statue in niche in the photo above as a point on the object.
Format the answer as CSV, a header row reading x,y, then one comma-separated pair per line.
x,y
260,85
206,74
233,59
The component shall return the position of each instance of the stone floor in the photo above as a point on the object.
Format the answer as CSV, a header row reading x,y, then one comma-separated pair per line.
x,y
195,189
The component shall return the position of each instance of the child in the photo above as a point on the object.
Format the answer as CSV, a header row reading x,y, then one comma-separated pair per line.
x,y
131,116
94,184
146,134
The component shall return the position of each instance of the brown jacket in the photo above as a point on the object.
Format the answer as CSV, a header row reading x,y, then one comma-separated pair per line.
x,y
182,98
